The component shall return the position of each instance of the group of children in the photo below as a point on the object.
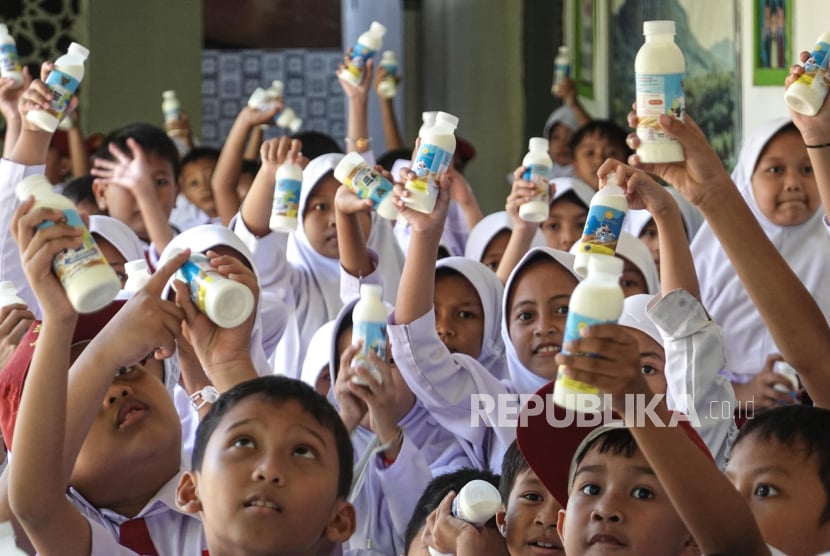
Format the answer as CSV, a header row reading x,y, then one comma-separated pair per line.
x,y
146,428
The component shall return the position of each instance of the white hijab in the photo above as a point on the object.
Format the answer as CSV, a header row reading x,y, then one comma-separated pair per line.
x,y
522,379
318,354
805,247
118,234
582,190
633,249
490,292
489,227
636,220
635,315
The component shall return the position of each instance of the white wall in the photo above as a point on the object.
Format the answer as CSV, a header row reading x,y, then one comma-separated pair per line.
x,y
810,19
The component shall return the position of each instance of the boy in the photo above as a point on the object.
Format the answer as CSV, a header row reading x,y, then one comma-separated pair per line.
x,y
271,471
592,144
195,204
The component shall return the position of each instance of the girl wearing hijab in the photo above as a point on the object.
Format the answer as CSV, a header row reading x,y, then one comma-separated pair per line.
x,y
488,239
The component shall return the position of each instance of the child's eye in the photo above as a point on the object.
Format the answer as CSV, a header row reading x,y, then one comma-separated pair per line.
x,y
641,493
320,206
649,370
162,182
764,490
775,169
492,265
305,452
561,310
553,226
532,497
590,489
524,316
243,442
466,315
808,170
124,371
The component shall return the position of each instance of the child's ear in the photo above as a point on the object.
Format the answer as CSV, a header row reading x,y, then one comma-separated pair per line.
x,y
187,495
99,189
560,525
342,524
501,520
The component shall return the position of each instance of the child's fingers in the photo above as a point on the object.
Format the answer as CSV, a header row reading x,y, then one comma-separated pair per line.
x,y
119,155
348,354
295,150
156,283
11,316
135,149
445,507
184,302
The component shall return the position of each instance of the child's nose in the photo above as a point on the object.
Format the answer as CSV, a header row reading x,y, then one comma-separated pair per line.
x,y
116,392
442,326
546,324
548,514
270,470
607,510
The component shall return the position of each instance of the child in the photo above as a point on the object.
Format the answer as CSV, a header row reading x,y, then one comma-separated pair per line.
x,y
271,471
568,210
559,127
79,191
316,372
488,239
195,204
592,144
117,242
639,272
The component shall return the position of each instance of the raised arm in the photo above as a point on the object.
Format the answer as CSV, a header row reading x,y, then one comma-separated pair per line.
x,y
521,237
10,92
357,126
391,131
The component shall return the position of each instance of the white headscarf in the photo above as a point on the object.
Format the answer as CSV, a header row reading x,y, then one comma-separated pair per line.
x,y
522,379
805,247
633,249
318,353
635,315
636,220
564,115
118,234
582,190
489,227
489,290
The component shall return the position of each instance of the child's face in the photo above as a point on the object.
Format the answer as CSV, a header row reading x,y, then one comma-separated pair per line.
x,y
319,222
120,203
650,236
784,491
268,482
617,505
564,225
783,181
538,305
632,280
528,519
114,258
559,144
459,316
493,543
495,250
194,182
652,360
591,153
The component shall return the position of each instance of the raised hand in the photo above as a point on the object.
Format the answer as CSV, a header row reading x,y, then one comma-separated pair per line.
x,y
641,190
132,172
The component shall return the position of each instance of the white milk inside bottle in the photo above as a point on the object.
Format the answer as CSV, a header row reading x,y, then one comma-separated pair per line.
x,y
659,68
367,183
369,326
9,59
170,106
90,282
476,503
603,224
433,158
8,294
561,68
388,87
807,93
596,300
137,275
427,121
368,43
539,171
63,81
286,203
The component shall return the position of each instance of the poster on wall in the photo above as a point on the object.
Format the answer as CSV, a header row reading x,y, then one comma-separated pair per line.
x,y
772,41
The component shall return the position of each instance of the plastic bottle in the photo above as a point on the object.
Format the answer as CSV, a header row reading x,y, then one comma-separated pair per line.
x,y
85,274
367,44
369,318
170,106
367,183
285,118
806,95
8,294
9,59
137,275
659,67
225,302
388,87
433,158
539,171
427,121
286,205
785,369
561,68
602,225
596,300
476,503
63,81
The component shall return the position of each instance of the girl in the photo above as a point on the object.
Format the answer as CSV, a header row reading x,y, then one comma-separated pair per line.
x,y
568,210
488,239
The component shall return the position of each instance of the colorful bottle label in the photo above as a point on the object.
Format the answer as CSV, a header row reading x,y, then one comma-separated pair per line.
x,y
815,68
561,72
658,94
540,176
573,331
9,60
366,183
69,262
373,335
357,62
602,230
171,114
198,275
286,198
429,163
63,86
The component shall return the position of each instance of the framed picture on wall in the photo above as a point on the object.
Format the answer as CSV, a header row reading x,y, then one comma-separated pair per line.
x,y
585,46
772,41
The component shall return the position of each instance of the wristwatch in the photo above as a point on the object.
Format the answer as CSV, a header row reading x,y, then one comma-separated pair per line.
x,y
206,395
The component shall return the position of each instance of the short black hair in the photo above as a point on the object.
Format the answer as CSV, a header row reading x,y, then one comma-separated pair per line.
x,y
617,442
316,144
281,389
388,159
79,190
200,153
434,493
605,129
151,138
250,167
796,426
512,464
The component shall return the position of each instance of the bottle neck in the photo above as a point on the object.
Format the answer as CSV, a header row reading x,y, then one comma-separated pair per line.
x,y
659,38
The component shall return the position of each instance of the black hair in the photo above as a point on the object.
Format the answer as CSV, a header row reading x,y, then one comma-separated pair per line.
x,y
316,144
435,491
280,389
605,129
79,190
794,427
151,138
250,167
571,197
200,153
512,464
617,442
387,159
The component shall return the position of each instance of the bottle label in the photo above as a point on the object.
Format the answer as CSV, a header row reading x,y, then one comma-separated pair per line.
x,y
198,275
286,198
815,68
373,335
366,183
9,60
171,114
658,94
63,86
391,70
560,72
357,62
602,230
429,163
70,262
540,176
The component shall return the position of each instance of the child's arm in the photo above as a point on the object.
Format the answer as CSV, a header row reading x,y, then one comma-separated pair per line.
x,y
464,197
702,496
451,535
567,92
10,92
791,314
391,132
355,258
521,237
78,155
254,143
229,166
357,126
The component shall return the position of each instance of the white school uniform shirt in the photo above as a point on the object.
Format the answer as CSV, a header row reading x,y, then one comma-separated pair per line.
x,y
186,215
488,228
805,247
